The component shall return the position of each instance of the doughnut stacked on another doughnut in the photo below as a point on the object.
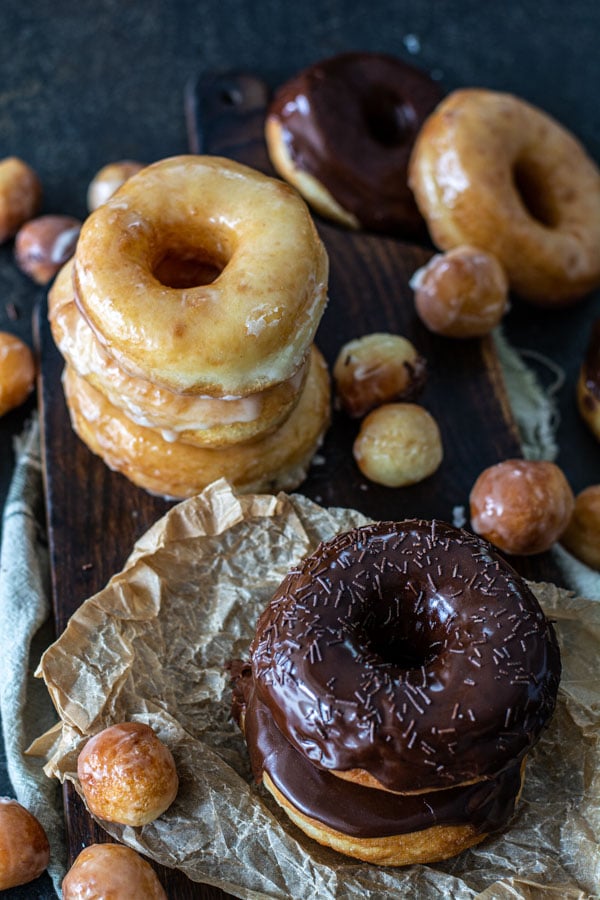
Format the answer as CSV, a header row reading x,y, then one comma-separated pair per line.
x,y
399,678
186,320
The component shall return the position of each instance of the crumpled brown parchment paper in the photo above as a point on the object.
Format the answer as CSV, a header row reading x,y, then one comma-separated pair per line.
x,y
152,646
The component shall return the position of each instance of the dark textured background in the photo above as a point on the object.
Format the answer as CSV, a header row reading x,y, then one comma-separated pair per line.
x,y
82,84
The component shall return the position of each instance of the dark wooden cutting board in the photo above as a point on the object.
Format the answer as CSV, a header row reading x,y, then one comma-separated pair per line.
x,y
95,515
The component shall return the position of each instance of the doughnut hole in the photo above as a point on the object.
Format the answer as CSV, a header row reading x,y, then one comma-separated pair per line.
x,y
521,506
582,535
111,870
533,183
127,774
20,195
17,372
388,119
407,641
376,369
24,847
43,245
398,444
108,180
180,266
462,293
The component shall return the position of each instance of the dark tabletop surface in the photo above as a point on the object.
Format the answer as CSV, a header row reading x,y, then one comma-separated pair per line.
x,y
83,84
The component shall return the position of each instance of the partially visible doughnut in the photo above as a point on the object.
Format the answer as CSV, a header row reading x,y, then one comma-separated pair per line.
x,y
127,774
17,372
582,535
111,872
407,656
277,462
20,195
24,847
342,131
203,276
588,383
491,170
193,419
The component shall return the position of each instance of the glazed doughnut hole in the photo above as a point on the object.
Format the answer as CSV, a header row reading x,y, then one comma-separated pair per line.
x,y
582,536
20,195
43,246
462,293
521,506
24,847
127,774
376,369
398,444
108,180
17,372
111,870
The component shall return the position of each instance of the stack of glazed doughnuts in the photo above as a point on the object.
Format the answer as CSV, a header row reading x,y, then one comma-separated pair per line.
x,y
187,320
398,679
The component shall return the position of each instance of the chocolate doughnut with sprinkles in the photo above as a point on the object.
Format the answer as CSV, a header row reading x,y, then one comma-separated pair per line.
x,y
407,656
375,826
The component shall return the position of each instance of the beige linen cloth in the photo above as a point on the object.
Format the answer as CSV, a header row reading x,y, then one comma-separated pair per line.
x,y
27,712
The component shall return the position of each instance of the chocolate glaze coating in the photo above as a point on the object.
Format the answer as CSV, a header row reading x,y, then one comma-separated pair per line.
x,y
351,122
410,650
361,811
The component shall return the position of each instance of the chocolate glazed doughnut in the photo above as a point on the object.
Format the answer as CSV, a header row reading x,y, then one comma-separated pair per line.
x,y
342,132
407,656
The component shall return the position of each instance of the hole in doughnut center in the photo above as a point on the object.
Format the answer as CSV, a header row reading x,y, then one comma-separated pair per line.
x,y
532,188
387,118
405,643
179,267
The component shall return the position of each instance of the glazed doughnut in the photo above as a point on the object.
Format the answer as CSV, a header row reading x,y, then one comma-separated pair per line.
x,y
103,871
342,131
17,372
462,293
20,195
193,419
203,276
582,535
376,826
127,774
521,506
377,368
177,470
588,383
398,444
24,847
407,656
491,170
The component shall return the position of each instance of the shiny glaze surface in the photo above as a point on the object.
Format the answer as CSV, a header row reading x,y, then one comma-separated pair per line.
x,y
350,121
410,650
364,812
109,872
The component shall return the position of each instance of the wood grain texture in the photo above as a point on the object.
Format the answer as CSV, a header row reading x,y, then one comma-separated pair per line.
x,y
95,515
